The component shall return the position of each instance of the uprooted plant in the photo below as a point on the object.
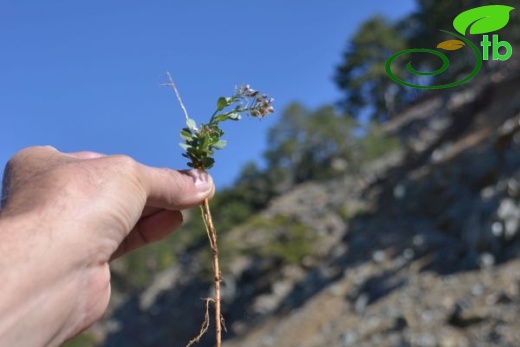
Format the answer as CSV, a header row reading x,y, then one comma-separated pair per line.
x,y
200,142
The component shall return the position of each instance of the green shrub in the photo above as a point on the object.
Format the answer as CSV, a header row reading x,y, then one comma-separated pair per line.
x,y
85,339
375,143
285,239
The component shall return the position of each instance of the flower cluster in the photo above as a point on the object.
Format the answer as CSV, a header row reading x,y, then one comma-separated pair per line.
x,y
247,91
260,106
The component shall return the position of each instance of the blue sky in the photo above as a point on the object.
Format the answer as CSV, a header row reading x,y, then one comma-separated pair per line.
x,y
87,75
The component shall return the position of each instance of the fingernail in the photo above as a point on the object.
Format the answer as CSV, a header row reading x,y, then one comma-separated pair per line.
x,y
86,155
201,179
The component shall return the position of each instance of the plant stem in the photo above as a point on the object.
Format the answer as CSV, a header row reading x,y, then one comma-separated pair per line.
x,y
177,94
212,235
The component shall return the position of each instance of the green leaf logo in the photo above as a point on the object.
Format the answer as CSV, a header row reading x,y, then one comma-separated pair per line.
x,y
483,19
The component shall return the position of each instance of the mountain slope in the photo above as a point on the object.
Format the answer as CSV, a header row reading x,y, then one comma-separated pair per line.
x,y
420,250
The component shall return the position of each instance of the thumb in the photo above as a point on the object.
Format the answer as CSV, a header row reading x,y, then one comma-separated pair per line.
x,y
177,190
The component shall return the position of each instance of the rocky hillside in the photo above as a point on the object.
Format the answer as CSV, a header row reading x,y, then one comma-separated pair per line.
x,y
423,249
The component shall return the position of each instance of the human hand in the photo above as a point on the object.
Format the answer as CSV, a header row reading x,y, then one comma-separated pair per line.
x,y
64,217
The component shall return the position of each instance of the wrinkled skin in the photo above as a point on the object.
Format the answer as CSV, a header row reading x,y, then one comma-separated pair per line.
x,y
63,218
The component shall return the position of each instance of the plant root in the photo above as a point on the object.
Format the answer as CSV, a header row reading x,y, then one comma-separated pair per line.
x,y
205,325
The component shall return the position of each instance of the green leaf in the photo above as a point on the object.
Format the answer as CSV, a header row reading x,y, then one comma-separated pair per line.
x,y
204,142
483,19
186,134
220,144
190,123
223,102
220,118
214,135
184,146
234,116
207,162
